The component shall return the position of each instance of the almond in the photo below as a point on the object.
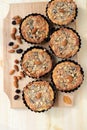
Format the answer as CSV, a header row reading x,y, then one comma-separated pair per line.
x,y
15,78
37,62
38,95
11,51
18,38
34,30
69,78
64,43
19,77
61,10
16,67
67,100
13,36
15,46
16,61
14,30
12,72
22,74
15,84
18,19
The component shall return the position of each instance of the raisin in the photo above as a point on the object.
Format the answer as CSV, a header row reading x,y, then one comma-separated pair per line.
x,y
14,22
16,97
18,91
19,50
11,43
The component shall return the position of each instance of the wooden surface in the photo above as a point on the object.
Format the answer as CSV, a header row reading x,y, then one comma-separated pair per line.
x,y
23,10
57,118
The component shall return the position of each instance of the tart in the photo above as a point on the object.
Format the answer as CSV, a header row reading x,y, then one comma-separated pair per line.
x,y
38,96
61,12
36,62
67,76
65,42
34,28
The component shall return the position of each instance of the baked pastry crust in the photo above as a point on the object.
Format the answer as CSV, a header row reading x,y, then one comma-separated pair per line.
x,y
61,12
65,42
34,28
38,96
67,76
36,62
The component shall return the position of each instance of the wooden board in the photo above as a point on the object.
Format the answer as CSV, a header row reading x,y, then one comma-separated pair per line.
x,y
23,9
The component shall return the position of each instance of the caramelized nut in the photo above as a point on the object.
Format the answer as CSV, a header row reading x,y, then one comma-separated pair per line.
x,y
67,100
12,72
38,95
37,62
61,10
64,43
69,78
34,30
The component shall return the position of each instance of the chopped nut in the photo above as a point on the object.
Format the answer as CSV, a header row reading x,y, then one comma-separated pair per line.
x,y
16,61
16,67
67,100
11,51
12,72
38,95
15,46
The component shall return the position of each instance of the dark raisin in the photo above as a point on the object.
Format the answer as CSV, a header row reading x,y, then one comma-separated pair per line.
x,y
18,91
16,97
11,43
19,51
14,22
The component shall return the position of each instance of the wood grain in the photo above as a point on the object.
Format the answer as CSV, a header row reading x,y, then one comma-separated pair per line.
x,y
21,9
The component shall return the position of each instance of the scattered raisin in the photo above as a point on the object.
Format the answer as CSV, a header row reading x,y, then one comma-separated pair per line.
x,y
16,97
11,43
19,50
14,22
18,91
